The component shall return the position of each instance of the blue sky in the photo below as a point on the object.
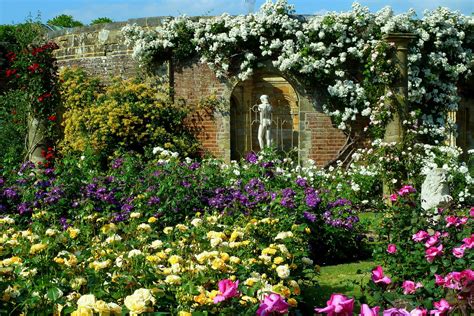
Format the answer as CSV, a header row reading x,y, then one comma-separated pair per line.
x,y
15,11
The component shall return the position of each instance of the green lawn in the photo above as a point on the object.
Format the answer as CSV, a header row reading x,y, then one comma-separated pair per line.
x,y
344,279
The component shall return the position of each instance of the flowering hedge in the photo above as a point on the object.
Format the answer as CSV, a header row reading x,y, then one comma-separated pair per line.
x,y
124,115
342,55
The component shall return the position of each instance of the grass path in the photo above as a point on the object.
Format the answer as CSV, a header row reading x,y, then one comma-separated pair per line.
x,y
344,279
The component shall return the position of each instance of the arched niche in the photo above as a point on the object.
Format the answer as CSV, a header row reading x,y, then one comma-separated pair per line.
x,y
244,116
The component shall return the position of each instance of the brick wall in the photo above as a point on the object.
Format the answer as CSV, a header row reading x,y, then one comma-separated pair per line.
x,y
326,140
192,83
100,50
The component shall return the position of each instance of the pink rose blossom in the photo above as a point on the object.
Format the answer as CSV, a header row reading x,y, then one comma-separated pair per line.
x,y
459,252
439,280
338,305
365,310
393,197
433,252
409,287
420,236
471,212
391,248
469,242
442,307
433,240
273,303
406,189
227,289
419,312
451,220
467,278
453,280
396,312
463,220
379,277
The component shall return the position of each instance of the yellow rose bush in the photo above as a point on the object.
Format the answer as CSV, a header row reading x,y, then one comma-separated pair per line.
x,y
107,268
123,115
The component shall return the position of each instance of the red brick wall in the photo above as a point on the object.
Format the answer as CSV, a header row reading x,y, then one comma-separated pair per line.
x,y
192,83
326,140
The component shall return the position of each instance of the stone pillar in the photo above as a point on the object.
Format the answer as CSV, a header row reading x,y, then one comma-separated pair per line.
x,y
36,139
394,131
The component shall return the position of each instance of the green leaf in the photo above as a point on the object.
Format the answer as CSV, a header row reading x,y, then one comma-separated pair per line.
x,y
53,294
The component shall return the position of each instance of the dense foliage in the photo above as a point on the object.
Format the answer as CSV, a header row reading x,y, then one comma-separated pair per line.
x,y
29,75
124,115
64,20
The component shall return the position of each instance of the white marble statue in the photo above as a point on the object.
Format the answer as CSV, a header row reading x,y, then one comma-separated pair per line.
x,y
435,190
264,129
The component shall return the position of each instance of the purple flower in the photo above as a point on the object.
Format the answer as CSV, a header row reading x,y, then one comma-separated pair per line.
x,y
2,181
23,208
127,208
10,193
26,166
194,166
312,197
117,163
310,216
153,200
301,182
251,157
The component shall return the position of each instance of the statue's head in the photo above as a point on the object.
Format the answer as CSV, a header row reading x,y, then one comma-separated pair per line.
x,y
264,98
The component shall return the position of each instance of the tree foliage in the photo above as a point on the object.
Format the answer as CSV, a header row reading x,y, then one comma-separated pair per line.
x,y
64,20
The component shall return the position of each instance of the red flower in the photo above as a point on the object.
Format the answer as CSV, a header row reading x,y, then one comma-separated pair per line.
x,y
43,96
52,118
11,56
10,72
32,68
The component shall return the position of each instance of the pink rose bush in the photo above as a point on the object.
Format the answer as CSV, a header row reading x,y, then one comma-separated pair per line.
x,y
428,256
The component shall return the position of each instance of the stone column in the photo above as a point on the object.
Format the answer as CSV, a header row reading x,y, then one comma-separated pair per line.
x,y
36,139
394,131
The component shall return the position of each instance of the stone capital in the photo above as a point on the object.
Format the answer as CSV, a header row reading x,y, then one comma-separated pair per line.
x,y
401,40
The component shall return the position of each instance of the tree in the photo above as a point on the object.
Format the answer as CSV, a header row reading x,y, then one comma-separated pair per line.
x,y
101,20
64,20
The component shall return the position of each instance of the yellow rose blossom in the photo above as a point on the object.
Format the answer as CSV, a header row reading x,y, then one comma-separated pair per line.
x,y
201,299
175,259
183,313
218,264
278,260
292,302
225,256
36,248
152,219
167,230
173,279
182,227
59,260
83,311
235,260
73,232
107,228
12,260
307,230
269,251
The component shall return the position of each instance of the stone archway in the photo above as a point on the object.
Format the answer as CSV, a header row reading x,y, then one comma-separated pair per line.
x,y
244,118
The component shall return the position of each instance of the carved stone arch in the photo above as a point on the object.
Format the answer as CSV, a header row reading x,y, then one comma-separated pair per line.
x,y
244,119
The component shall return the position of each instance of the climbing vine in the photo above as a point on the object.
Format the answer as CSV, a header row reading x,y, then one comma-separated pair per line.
x,y
342,55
